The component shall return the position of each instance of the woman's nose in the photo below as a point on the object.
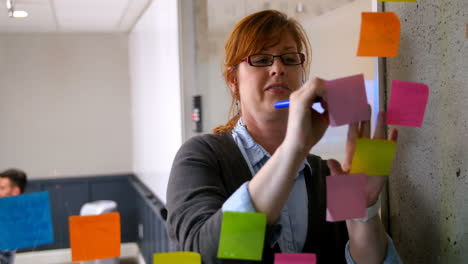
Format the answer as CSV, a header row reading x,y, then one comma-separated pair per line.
x,y
278,67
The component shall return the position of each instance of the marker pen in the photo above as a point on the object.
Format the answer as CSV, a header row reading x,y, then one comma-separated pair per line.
x,y
285,103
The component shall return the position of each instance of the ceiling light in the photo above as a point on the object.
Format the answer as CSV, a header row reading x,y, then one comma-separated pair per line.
x,y
20,14
10,4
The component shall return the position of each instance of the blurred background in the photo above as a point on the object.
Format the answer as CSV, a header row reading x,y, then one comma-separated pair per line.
x,y
96,97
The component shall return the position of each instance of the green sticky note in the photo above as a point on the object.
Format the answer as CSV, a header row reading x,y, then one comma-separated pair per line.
x,y
373,157
242,236
177,257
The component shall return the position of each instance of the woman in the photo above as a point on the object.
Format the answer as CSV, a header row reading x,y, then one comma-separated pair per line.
x,y
260,162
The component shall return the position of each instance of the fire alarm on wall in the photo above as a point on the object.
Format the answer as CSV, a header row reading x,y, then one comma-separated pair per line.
x,y
196,114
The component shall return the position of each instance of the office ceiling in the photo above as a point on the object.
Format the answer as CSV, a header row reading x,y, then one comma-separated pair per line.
x,y
64,16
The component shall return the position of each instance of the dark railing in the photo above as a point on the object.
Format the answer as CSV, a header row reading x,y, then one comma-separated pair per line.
x,y
151,215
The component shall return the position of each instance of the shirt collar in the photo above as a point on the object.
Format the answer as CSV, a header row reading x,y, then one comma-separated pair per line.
x,y
255,151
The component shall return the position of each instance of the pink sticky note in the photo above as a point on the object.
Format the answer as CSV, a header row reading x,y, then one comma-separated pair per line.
x,y
347,100
295,258
346,197
407,103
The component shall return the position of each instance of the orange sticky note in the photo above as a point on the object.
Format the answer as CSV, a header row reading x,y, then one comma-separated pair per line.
x,y
380,34
94,236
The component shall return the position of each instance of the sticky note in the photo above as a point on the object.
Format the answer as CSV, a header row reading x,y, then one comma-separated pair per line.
x,y
25,221
94,236
346,197
373,156
295,258
380,34
177,257
242,236
347,100
407,104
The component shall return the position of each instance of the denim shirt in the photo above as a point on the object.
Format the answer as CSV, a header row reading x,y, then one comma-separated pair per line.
x,y
290,229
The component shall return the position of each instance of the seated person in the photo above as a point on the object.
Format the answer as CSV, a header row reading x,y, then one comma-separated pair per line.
x,y
12,182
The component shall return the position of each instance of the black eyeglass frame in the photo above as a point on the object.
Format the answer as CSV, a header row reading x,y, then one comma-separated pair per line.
x,y
301,55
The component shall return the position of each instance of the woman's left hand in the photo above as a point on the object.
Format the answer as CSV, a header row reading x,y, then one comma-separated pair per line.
x,y
375,184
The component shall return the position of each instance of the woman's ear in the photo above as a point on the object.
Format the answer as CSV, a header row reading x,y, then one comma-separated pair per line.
x,y
16,191
232,80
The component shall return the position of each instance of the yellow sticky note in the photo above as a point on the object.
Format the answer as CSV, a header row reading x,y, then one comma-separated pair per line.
x,y
396,1
177,257
380,34
373,157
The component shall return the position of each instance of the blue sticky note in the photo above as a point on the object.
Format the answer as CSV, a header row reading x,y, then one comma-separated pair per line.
x,y
25,221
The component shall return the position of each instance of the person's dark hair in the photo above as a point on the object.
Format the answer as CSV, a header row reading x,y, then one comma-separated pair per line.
x,y
17,178
251,35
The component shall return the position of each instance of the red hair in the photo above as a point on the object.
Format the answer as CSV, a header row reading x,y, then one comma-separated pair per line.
x,y
251,35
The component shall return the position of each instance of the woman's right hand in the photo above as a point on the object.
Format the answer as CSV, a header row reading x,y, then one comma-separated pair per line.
x,y
271,186
306,126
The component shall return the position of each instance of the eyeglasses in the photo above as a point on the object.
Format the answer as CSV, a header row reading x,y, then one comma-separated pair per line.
x,y
264,60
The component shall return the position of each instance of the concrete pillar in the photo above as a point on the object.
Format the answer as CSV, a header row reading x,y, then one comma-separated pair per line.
x,y
428,186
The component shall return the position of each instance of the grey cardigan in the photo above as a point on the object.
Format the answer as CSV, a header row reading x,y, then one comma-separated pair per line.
x,y
206,171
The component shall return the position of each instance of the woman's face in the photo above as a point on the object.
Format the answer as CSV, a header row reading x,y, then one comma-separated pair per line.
x,y
260,87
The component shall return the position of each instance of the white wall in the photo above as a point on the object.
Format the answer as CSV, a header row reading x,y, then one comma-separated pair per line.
x,y
64,104
187,65
156,96
334,37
